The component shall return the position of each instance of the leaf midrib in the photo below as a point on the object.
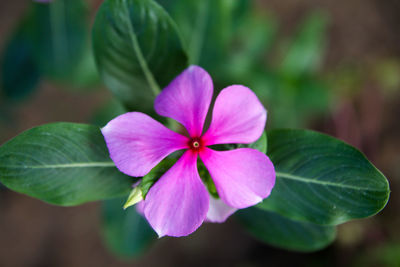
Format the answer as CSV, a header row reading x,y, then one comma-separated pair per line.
x,y
67,165
140,57
319,182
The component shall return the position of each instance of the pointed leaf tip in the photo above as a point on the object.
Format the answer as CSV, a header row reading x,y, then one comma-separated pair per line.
x,y
134,197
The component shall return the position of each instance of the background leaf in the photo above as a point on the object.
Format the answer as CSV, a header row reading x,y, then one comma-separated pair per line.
x,y
251,43
321,179
284,99
278,231
207,27
59,32
110,110
62,163
19,71
137,49
305,53
125,232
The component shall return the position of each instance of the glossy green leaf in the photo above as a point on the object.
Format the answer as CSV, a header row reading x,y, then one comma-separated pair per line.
x,y
62,163
125,232
60,34
321,179
281,232
137,49
19,71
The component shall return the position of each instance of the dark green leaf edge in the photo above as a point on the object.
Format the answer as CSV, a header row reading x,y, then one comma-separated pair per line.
x,y
341,219
281,232
50,192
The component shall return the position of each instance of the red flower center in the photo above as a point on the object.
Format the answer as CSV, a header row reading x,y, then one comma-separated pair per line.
x,y
195,144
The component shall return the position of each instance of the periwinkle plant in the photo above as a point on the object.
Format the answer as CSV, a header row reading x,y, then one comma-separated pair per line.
x,y
282,180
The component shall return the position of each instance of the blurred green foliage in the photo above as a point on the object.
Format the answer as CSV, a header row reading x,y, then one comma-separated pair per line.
x,y
59,33
107,112
233,40
19,72
125,232
382,255
285,76
52,42
239,44
387,73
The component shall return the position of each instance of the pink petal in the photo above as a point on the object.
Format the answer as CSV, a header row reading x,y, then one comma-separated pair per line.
x,y
137,142
243,177
187,99
177,204
219,211
238,117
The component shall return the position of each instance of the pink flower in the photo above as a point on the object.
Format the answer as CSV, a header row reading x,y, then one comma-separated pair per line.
x,y
178,203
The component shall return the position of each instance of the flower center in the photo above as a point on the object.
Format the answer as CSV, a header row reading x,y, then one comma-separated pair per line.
x,y
195,143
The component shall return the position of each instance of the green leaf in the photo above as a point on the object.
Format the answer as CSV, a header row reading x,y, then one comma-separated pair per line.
x,y
125,232
322,180
62,163
306,51
20,74
282,232
59,32
138,50
206,178
261,145
152,177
